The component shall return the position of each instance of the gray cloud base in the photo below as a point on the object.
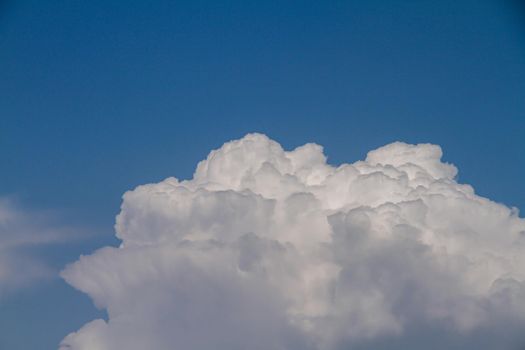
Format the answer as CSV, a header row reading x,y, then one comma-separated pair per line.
x,y
269,249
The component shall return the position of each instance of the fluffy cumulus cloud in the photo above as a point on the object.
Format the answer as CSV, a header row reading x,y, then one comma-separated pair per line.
x,y
271,249
20,231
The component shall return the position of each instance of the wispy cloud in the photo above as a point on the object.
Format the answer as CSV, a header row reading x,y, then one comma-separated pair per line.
x,y
21,231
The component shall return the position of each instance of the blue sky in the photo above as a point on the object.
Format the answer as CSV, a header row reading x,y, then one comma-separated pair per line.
x,y
97,97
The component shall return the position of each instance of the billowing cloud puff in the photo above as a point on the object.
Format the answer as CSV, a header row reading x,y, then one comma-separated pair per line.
x,y
19,230
269,249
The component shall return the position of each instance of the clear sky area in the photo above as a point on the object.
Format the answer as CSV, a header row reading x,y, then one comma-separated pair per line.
x,y
98,97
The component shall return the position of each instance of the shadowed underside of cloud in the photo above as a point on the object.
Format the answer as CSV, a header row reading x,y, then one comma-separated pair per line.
x,y
269,249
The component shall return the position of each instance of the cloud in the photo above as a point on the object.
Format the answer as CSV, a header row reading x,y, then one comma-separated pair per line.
x,y
273,249
21,230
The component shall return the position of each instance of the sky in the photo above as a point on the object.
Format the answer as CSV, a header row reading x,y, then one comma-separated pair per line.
x,y
99,97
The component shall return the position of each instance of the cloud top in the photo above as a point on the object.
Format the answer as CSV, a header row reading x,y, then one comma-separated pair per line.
x,y
272,249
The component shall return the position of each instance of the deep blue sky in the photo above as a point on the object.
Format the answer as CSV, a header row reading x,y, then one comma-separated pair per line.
x,y
99,96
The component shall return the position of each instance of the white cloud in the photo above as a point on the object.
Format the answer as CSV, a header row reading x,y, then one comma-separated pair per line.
x,y
269,249
21,230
